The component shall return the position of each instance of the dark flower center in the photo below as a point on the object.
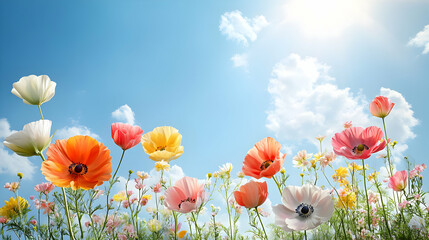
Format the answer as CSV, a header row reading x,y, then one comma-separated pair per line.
x,y
161,148
304,210
189,199
78,169
360,148
266,164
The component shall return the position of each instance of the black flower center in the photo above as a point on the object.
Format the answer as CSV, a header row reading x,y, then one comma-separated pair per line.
x,y
360,148
189,199
304,210
266,164
78,169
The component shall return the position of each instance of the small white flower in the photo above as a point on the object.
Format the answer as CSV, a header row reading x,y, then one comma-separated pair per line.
x,y
301,159
417,222
34,90
303,208
32,140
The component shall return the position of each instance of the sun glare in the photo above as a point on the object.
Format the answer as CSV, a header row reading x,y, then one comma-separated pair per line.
x,y
326,18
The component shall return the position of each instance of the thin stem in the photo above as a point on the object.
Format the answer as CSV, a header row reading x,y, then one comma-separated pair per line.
x,y
196,226
40,110
305,234
66,210
278,185
366,194
386,220
175,224
387,149
262,224
112,181
78,215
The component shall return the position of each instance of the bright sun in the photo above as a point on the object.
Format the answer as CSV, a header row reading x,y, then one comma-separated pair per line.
x,y
326,18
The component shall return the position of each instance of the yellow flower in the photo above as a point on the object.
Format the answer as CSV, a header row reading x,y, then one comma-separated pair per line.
x,y
154,225
11,210
347,199
147,196
313,163
372,176
343,182
182,234
162,165
355,166
320,138
120,196
142,175
163,143
301,174
318,156
282,171
340,173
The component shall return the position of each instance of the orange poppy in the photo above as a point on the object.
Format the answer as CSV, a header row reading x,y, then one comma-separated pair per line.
x,y
264,159
77,162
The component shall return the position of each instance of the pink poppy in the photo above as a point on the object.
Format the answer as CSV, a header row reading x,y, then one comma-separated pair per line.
x,y
251,194
185,196
264,159
381,106
358,143
398,181
125,135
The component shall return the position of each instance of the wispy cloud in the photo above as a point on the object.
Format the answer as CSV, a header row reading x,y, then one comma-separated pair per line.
x,y
239,60
71,131
421,40
125,114
241,29
11,164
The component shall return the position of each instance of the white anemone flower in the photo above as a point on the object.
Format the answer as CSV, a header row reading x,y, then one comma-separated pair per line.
x,y
34,90
33,139
417,222
303,208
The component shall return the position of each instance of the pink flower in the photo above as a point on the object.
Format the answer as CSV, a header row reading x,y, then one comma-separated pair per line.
x,y
157,188
348,124
420,168
398,181
185,196
417,197
45,188
125,204
31,197
358,143
381,106
87,224
139,184
327,159
98,194
144,201
47,207
34,222
3,220
12,186
403,204
125,135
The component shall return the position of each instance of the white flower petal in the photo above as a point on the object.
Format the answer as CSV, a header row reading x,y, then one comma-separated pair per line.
x,y
34,90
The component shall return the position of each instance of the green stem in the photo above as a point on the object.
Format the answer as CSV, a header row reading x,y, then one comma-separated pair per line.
x,y
386,220
262,224
175,224
196,226
229,212
40,110
387,149
278,185
366,194
305,234
112,181
78,215
66,210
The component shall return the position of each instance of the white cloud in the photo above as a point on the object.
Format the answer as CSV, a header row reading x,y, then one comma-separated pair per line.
x,y
400,121
124,114
306,103
241,29
239,60
421,40
11,164
68,132
327,18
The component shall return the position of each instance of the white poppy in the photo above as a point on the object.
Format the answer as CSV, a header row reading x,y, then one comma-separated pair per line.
x,y
32,140
34,90
303,208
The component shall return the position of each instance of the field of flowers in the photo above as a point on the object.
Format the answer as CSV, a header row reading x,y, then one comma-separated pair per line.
x,y
78,202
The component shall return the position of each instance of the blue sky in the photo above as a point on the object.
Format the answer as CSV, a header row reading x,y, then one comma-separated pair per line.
x,y
226,74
